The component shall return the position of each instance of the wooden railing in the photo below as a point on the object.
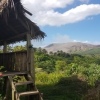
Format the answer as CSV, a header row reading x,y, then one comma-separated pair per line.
x,y
14,61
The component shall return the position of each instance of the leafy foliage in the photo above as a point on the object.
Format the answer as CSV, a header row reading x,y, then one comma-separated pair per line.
x,y
63,76
60,70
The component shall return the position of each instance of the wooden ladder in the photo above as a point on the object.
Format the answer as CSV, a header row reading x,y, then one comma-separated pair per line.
x,y
31,93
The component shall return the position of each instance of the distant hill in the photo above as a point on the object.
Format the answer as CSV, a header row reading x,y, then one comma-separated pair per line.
x,y
95,51
72,47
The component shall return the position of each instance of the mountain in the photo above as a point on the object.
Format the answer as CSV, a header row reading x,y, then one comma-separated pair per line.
x,y
95,51
70,47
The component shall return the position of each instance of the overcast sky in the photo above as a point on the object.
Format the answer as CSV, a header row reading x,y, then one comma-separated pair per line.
x,y
66,20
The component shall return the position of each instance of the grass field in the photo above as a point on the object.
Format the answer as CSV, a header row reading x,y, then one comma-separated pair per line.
x,y
62,88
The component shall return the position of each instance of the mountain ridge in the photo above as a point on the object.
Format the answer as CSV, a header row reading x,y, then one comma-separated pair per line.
x,y
70,47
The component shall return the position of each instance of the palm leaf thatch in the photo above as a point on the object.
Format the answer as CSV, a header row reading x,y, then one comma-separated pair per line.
x,y
14,24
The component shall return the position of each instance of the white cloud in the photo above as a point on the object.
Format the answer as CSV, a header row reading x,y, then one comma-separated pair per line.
x,y
61,38
88,42
56,38
44,11
56,3
47,4
64,38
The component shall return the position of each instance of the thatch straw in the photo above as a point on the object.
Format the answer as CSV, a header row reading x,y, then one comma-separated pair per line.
x,y
10,13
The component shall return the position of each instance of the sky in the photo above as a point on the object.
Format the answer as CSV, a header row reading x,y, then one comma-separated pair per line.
x,y
65,20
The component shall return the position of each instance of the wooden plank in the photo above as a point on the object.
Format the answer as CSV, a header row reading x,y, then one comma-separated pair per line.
x,y
16,63
8,90
24,83
14,60
24,51
24,62
28,93
12,87
5,47
13,73
20,62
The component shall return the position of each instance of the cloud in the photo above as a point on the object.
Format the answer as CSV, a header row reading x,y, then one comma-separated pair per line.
x,y
61,38
44,12
55,38
88,42
46,4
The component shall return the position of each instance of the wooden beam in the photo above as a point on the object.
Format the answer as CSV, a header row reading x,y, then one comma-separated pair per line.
x,y
30,64
6,81
12,87
28,12
28,51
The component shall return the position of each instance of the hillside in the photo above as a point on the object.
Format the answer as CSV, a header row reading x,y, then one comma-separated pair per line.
x,y
70,47
91,51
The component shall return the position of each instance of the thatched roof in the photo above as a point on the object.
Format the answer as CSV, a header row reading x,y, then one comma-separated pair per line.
x,y
14,24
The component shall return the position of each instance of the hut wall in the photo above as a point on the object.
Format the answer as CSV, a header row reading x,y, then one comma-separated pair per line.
x,y
14,61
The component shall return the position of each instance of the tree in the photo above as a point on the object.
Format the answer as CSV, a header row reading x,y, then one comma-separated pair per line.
x,y
60,65
19,48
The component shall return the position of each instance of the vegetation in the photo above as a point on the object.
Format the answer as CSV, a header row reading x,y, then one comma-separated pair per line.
x,y
93,51
63,76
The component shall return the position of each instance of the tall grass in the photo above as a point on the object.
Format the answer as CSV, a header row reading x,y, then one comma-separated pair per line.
x,y
45,78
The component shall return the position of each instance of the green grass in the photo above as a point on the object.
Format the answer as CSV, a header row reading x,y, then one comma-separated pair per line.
x,y
62,88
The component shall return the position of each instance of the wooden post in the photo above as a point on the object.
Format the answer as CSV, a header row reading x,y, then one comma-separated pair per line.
x,y
6,81
5,48
30,64
12,87
4,51
28,52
